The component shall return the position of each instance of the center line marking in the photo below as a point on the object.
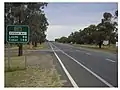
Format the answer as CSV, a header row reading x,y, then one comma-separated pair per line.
x,y
110,60
94,74
64,68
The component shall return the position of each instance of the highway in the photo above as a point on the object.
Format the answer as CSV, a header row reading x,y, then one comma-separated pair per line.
x,y
85,67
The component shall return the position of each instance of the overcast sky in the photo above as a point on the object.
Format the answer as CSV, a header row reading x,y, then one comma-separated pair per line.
x,y
65,18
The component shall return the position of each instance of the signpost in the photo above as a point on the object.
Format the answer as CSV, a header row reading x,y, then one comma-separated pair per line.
x,y
17,34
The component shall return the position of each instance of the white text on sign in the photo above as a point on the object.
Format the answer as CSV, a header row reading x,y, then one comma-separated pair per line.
x,y
17,33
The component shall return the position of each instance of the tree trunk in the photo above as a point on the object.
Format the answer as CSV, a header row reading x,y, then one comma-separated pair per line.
x,y
30,44
20,53
109,43
35,44
99,45
40,43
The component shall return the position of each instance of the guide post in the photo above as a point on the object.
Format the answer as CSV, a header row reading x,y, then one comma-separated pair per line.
x,y
8,56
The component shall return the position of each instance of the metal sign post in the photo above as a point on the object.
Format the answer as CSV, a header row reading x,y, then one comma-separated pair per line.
x,y
25,60
8,56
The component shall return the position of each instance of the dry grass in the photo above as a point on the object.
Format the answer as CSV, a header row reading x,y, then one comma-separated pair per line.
x,y
26,46
40,72
112,48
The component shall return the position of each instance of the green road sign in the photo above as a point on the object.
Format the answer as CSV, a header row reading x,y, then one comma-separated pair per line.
x,y
17,34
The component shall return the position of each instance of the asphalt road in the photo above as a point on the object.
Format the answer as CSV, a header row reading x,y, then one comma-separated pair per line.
x,y
86,68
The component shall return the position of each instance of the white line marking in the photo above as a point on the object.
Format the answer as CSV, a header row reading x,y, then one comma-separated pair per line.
x,y
94,74
80,51
109,60
88,53
64,68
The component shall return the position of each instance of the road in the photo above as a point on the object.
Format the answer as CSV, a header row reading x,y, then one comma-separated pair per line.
x,y
86,68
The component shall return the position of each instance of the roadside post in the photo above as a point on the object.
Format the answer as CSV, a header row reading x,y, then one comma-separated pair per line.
x,y
8,56
116,44
25,59
117,47
17,34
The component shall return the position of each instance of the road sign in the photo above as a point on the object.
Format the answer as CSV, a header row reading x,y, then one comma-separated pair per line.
x,y
17,34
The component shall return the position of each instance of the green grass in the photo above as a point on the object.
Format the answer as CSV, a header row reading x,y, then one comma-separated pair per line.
x,y
112,48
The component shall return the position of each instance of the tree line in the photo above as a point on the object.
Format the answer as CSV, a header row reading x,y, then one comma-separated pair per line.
x,y
31,14
107,29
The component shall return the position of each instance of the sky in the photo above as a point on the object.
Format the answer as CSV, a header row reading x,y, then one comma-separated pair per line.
x,y
65,18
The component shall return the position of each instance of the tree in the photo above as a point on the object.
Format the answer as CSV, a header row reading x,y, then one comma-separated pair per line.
x,y
62,40
116,24
107,16
14,15
116,14
38,24
71,38
95,34
31,14
56,40
109,26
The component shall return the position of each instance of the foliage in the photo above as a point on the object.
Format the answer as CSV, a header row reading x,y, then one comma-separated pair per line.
x,y
95,34
31,14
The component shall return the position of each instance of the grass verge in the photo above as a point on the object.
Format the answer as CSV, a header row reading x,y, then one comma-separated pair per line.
x,y
40,72
111,49
41,46
16,63
26,46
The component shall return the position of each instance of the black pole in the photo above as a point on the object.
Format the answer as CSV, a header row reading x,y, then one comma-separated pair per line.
x,y
20,52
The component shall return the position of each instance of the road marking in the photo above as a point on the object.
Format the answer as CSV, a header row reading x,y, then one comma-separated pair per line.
x,y
80,51
64,68
110,60
88,53
94,74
